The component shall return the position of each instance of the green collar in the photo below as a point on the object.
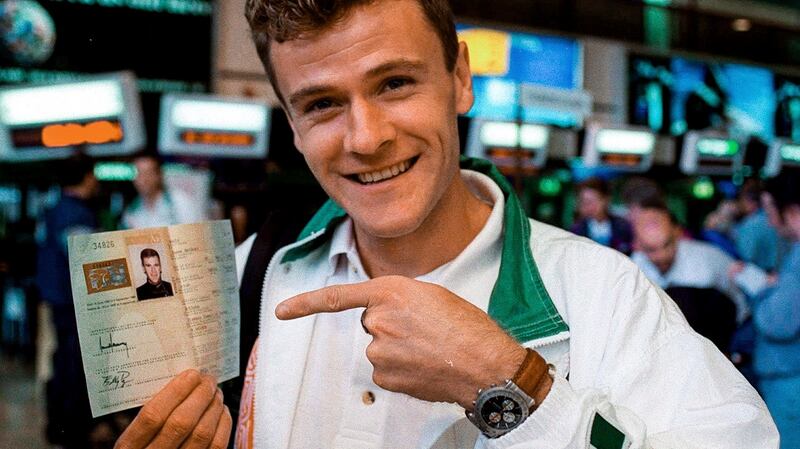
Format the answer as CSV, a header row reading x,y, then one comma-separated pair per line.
x,y
519,301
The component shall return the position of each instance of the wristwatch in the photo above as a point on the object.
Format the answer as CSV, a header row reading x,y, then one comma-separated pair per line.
x,y
500,409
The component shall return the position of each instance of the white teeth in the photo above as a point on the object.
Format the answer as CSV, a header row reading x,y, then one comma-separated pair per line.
x,y
386,173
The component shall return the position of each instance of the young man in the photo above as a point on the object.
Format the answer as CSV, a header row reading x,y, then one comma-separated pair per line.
x,y
436,283
154,286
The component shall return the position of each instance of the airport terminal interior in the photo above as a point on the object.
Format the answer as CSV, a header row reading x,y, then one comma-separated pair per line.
x,y
643,125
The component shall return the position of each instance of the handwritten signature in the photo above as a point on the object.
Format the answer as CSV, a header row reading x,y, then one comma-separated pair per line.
x,y
116,381
111,345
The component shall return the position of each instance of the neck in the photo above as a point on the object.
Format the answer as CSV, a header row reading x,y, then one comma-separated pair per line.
x,y
449,228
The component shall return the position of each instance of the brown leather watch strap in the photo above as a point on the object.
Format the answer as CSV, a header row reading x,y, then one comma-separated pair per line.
x,y
531,372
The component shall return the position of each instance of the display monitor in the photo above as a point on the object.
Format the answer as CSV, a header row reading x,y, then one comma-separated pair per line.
x,y
213,126
782,153
504,62
711,153
787,111
707,95
512,147
100,114
627,149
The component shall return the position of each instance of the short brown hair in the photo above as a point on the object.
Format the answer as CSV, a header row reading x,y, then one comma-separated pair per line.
x,y
596,184
285,20
149,252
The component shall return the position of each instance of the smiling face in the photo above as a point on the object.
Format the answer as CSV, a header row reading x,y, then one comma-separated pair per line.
x,y
373,108
152,269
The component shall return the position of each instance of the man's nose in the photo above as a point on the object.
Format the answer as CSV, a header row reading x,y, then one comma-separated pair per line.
x,y
369,128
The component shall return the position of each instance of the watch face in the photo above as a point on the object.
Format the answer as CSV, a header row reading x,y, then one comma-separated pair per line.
x,y
501,412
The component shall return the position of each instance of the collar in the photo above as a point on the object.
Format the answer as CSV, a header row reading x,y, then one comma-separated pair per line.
x,y
519,301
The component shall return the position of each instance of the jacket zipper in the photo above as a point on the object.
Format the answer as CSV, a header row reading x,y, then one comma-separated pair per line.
x,y
275,257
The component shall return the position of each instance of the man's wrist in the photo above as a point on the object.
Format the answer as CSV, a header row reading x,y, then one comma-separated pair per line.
x,y
494,371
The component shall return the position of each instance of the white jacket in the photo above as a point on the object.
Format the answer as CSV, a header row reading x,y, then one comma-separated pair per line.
x,y
639,377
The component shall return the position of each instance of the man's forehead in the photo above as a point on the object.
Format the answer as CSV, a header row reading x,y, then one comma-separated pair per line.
x,y
307,58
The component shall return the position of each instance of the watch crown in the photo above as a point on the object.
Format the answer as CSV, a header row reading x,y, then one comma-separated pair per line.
x,y
480,390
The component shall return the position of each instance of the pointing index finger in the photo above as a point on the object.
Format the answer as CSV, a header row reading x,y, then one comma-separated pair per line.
x,y
334,298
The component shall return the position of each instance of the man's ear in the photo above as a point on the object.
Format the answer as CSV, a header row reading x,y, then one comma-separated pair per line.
x,y
463,80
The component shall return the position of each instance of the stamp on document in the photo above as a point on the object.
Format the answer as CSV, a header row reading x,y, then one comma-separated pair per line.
x,y
106,275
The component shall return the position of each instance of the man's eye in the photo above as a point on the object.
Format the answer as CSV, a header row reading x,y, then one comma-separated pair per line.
x,y
396,83
319,105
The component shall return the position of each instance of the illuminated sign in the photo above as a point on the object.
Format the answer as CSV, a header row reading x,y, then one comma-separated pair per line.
x,y
510,146
48,121
114,171
710,153
626,149
206,125
790,153
180,7
781,154
718,148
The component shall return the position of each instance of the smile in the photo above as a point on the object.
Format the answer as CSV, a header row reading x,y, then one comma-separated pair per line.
x,y
386,173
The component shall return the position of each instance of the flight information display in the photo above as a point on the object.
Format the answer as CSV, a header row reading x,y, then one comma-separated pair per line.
x,y
737,97
710,153
212,126
787,113
511,146
504,61
100,114
625,149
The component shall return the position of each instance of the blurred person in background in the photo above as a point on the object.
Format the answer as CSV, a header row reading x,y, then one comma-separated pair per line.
x,y
157,205
594,219
756,240
718,225
670,260
68,414
776,317
640,192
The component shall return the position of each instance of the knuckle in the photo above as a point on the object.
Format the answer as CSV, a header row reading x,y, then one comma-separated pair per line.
x,y
202,436
149,418
332,299
372,352
378,378
178,426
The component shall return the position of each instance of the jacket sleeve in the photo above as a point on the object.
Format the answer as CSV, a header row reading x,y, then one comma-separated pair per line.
x,y
656,383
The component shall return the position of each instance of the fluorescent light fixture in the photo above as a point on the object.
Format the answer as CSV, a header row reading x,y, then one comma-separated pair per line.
x,y
717,147
625,141
791,152
534,136
64,102
499,134
509,135
216,115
